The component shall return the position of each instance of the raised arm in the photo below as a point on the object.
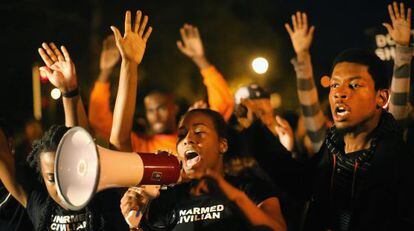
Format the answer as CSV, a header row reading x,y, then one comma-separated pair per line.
x,y
8,171
220,97
61,72
301,36
400,85
100,114
131,47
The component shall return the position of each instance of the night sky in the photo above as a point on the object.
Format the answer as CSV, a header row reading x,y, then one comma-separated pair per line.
x,y
233,33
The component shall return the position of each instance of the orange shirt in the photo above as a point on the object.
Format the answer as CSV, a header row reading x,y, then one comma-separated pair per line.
x,y
220,99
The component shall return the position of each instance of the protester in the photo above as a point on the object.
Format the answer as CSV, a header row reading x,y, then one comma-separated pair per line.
x,y
361,178
210,200
45,209
301,36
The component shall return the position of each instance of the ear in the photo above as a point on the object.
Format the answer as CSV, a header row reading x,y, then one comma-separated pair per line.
x,y
223,146
383,96
325,81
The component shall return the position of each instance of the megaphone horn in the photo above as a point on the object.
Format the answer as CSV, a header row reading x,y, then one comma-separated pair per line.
x,y
83,168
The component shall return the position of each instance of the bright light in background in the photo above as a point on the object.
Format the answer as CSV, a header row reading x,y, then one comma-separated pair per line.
x,y
55,93
260,65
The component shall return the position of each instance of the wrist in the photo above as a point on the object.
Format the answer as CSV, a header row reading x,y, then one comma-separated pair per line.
x,y
201,62
303,54
130,63
403,44
73,92
104,75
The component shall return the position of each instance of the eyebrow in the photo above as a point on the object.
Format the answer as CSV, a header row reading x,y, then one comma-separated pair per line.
x,y
198,124
350,79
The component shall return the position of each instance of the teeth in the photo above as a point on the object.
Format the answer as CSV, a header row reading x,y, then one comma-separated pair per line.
x,y
342,113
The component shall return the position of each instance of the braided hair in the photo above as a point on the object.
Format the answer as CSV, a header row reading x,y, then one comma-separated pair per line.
x,y
48,143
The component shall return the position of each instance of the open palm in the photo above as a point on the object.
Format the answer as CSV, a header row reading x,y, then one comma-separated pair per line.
x,y
132,45
59,68
191,46
301,35
400,30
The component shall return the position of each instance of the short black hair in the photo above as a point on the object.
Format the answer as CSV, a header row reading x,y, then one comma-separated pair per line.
x,y
48,143
219,123
376,67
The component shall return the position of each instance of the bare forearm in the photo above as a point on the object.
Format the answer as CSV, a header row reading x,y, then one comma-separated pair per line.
x,y
125,107
201,62
82,116
70,108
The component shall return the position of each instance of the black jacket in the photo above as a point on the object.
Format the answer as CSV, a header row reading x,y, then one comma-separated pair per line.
x,y
383,201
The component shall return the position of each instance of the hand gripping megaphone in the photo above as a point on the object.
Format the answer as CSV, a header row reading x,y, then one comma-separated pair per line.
x,y
83,168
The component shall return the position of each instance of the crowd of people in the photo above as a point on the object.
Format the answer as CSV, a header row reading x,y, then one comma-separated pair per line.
x,y
243,166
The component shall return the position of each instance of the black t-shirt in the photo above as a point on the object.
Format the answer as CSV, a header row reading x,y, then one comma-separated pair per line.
x,y
13,216
102,213
176,209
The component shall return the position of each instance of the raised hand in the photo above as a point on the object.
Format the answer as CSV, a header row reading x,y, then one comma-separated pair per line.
x,y
401,24
132,45
301,35
192,46
59,68
285,133
109,54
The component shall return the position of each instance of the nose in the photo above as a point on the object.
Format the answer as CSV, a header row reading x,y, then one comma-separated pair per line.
x,y
189,139
341,92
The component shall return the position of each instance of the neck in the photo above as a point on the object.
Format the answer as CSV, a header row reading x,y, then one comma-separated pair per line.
x,y
360,138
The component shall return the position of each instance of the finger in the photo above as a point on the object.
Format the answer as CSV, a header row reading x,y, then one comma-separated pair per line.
x,y
299,19
289,29
46,71
57,52
294,23
305,20
196,32
117,33
280,130
183,35
282,122
65,53
409,16
311,30
105,44
45,57
49,52
396,11
137,20
127,23
143,25
192,31
402,10
391,12
180,46
388,26
147,34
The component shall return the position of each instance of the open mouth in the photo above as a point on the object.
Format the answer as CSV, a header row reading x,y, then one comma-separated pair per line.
x,y
191,158
341,111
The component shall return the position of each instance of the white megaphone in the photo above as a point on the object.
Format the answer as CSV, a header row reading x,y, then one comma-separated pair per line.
x,y
83,168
